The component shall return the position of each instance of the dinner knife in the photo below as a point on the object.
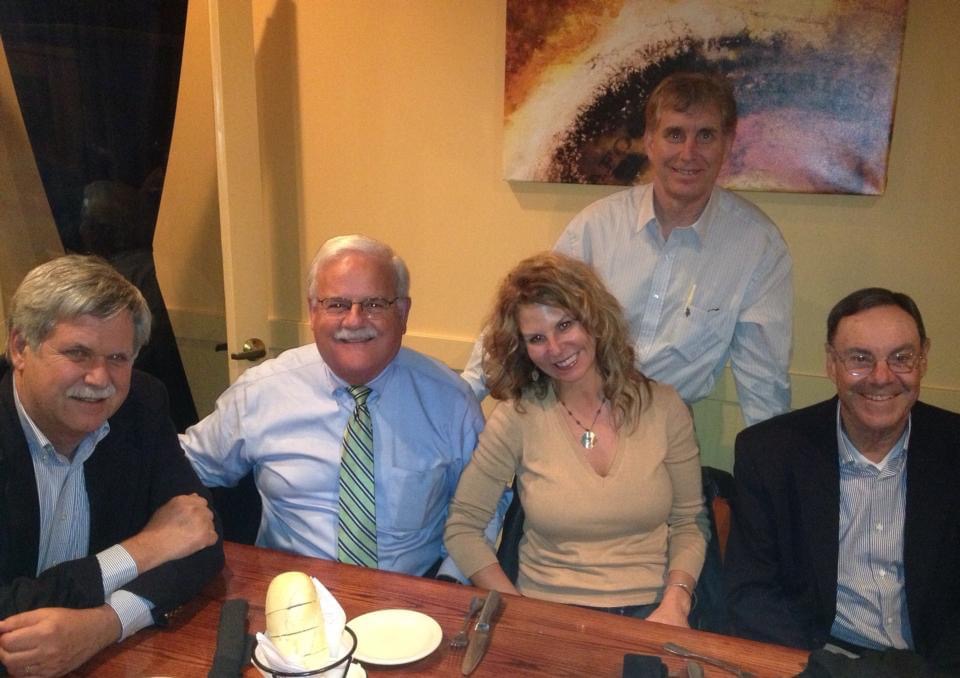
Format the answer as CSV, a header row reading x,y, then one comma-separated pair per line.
x,y
480,638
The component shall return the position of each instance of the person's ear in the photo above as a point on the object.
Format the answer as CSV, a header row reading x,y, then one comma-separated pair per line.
x,y
17,346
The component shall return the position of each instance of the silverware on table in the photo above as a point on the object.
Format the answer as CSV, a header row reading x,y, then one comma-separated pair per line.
x,y
480,638
681,651
460,640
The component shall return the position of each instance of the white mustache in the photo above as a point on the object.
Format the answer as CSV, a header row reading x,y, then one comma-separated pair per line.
x,y
361,334
91,393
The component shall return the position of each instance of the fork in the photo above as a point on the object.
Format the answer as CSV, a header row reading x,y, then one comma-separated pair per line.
x,y
460,640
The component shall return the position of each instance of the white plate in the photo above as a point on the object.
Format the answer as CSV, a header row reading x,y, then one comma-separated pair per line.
x,y
355,670
390,637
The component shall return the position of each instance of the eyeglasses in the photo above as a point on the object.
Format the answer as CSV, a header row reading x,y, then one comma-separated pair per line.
x,y
371,306
860,364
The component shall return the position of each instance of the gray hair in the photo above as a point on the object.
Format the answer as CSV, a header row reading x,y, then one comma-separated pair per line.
x,y
69,287
340,245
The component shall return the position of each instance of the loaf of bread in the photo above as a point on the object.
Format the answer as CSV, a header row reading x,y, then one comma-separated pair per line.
x,y
295,620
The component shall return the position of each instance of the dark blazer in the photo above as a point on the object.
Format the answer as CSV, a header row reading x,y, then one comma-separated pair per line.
x,y
781,566
134,470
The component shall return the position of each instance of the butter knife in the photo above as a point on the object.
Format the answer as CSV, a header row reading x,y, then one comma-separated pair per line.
x,y
680,650
480,638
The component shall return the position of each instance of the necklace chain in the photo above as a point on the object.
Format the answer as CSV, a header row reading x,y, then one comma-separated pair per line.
x,y
589,439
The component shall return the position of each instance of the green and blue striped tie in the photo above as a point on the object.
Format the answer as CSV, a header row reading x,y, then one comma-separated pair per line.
x,y
357,538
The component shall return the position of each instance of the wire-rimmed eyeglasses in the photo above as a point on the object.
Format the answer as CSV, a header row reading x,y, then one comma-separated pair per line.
x,y
861,363
371,306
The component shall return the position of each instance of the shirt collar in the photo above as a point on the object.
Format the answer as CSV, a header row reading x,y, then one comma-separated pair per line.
x,y
39,444
338,388
695,232
851,456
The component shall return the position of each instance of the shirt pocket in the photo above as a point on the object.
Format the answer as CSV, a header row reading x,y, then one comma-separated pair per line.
x,y
705,330
415,498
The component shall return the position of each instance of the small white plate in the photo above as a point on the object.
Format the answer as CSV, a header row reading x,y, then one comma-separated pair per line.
x,y
391,637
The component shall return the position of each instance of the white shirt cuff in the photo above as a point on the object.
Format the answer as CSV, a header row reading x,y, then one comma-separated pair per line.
x,y
133,611
117,567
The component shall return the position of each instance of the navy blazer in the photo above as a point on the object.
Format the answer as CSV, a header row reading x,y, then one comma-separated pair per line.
x,y
781,565
134,470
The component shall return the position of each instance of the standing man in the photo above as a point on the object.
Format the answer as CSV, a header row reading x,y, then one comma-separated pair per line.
x,y
104,527
703,275
296,421
847,523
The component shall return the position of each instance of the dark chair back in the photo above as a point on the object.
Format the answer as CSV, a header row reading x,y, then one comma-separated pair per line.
x,y
239,508
710,613
508,553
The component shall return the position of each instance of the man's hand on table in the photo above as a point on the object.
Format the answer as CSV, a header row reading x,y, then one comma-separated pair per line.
x,y
53,640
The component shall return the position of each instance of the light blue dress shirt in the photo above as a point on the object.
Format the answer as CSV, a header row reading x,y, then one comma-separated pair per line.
x,y
65,520
871,598
716,290
284,419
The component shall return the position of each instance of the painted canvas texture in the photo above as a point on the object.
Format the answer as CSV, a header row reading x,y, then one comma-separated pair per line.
x,y
815,83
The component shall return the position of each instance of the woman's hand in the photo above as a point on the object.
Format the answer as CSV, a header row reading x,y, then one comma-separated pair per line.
x,y
493,578
677,600
671,612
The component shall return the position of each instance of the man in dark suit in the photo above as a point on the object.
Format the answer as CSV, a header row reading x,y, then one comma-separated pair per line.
x,y
104,527
846,528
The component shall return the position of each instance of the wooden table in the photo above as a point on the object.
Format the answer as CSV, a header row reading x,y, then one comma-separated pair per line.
x,y
530,638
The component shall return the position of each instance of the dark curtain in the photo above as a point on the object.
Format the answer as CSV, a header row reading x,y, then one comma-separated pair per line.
x,y
97,85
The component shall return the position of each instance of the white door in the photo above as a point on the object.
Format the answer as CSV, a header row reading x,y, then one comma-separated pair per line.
x,y
243,234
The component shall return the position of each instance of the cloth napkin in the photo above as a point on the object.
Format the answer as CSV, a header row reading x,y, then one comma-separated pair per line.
x,y
233,643
334,619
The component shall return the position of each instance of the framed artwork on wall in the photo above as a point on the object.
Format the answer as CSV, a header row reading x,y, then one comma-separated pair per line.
x,y
815,83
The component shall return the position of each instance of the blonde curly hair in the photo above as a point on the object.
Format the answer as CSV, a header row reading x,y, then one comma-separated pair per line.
x,y
562,282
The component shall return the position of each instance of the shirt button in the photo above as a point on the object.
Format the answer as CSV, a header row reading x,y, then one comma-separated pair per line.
x,y
883,573
889,620
879,526
656,296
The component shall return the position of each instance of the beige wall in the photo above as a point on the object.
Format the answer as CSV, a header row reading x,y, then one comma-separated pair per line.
x,y
385,118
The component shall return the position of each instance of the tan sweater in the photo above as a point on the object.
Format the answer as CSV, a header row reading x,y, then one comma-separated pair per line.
x,y
589,540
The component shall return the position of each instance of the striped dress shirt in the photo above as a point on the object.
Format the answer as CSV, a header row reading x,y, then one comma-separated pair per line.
x,y
65,520
871,598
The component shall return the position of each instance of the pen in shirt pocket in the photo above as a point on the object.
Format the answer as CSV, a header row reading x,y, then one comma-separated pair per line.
x,y
693,289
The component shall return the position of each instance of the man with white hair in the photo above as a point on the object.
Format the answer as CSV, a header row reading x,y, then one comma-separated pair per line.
x,y
356,444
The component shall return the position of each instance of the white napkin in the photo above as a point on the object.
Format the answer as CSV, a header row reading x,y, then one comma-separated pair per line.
x,y
334,619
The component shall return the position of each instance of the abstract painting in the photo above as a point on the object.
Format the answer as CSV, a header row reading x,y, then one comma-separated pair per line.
x,y
815,82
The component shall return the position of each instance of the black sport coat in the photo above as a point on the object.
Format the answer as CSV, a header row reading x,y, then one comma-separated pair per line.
x,y
781,564
134,470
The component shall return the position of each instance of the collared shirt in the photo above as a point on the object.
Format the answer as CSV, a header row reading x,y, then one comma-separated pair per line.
x,y
871,598
716,290
65,520
285,420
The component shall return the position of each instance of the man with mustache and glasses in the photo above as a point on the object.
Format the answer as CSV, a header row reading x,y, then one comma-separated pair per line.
x,y
846,528
104,527
702,274
302,421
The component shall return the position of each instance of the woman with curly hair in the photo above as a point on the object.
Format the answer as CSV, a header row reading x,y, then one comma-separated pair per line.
x,y
605,460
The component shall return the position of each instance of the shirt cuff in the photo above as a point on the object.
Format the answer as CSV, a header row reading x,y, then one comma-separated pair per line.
x,y
133,611
117,567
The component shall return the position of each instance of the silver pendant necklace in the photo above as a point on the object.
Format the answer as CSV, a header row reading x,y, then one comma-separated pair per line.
x,y
589,439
